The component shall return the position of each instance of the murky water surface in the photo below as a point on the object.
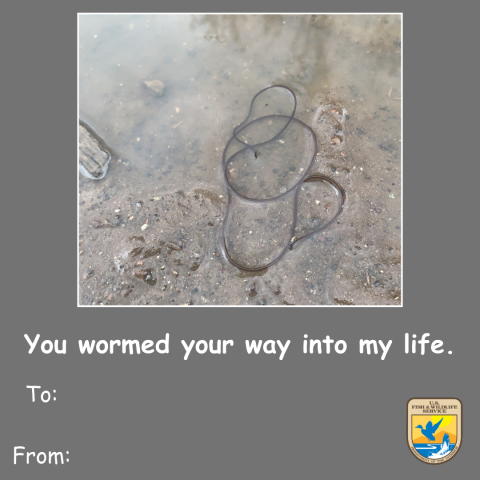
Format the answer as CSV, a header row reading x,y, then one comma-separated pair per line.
x,y
150,230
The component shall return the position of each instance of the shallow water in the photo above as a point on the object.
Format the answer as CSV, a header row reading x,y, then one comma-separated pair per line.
x,y
165,181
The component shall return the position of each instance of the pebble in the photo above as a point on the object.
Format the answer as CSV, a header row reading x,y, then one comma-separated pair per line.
x,y
155,87
144,226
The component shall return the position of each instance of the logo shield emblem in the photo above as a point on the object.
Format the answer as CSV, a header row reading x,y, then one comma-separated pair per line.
x,y
434,428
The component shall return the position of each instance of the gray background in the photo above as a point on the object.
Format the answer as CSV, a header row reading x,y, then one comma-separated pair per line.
x,y
233,416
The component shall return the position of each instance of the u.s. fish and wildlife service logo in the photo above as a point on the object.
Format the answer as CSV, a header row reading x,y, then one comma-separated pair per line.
x,y
434,428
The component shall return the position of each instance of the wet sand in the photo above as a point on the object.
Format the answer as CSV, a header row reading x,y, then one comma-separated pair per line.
x,y
149,232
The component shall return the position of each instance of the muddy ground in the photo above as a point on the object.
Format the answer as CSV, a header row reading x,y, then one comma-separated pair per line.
x,y
149,232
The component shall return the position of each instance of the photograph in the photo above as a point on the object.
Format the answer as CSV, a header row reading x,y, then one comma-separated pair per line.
x,y
239,159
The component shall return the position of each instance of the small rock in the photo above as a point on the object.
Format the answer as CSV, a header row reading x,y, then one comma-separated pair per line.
x,y
155,87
